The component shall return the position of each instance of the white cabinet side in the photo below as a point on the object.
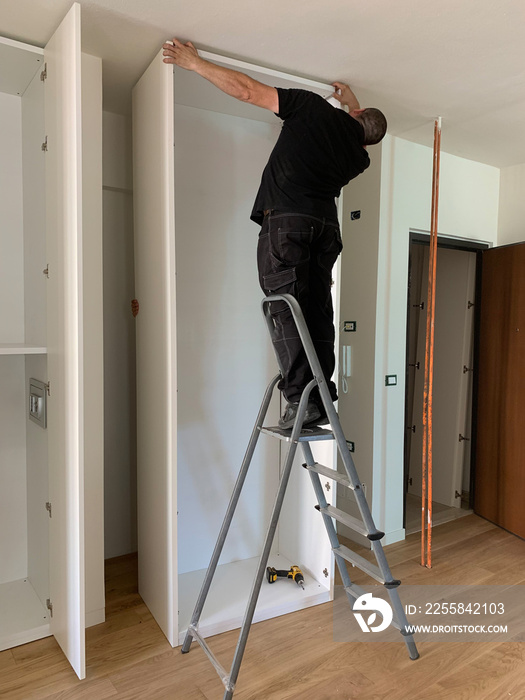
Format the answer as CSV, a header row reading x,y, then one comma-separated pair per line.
x,y
93,336
153,178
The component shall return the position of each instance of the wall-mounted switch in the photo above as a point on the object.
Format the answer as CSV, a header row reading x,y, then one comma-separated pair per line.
x,y
350,326
355,215
391,380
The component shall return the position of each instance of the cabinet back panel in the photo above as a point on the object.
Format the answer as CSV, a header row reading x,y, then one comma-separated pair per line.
x,y
13,502
224,354
11,218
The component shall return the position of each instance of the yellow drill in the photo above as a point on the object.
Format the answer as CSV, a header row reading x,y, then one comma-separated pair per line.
x,y
294,573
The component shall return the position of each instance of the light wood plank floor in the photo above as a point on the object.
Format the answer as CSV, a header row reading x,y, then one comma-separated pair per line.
x,y
293,657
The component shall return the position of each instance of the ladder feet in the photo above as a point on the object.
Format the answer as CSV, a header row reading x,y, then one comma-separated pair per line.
x,y
392,584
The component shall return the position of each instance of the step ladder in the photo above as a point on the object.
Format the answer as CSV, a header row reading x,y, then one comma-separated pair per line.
x,y
366,526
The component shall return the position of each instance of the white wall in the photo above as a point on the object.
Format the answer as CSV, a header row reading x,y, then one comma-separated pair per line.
x,y
511,223
468,208
120,510
359,261
11,221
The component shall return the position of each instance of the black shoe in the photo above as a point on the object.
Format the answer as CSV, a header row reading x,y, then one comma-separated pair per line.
x,y
311,416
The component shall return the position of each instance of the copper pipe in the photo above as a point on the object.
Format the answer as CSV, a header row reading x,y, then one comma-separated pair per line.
x,y
426,490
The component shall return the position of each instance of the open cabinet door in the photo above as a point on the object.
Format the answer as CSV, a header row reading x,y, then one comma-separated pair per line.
x,y
500,444
154,203
65,342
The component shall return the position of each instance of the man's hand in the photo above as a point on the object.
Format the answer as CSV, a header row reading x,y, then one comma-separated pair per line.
x,y
232,82
345,96
183,55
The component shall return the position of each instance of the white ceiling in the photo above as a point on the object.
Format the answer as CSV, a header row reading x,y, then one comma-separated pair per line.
x,y
463,60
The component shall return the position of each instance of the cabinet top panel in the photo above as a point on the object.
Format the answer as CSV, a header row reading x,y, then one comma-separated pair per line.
x,y
18,65
193,91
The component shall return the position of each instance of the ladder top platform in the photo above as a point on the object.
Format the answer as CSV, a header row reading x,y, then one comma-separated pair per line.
x,y
306,434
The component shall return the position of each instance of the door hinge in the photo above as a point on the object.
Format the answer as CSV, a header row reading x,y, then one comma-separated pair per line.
x,y
461,438
44,145
46,271
43,74
48,508
467,369
49,606
457,494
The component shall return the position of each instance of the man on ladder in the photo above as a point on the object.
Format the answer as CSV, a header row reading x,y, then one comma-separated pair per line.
x,y
320,149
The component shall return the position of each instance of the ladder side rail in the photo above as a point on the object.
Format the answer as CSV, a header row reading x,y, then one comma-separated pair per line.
x,y
229,514
263,561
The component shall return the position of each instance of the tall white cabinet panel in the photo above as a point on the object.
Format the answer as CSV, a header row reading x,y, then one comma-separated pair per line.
x,y
153,181
52,476
74,216
204,357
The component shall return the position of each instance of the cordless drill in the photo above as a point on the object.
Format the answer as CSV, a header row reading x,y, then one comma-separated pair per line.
x,y
294,573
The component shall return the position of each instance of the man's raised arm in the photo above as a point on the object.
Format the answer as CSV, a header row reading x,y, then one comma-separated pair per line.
x,y
232,82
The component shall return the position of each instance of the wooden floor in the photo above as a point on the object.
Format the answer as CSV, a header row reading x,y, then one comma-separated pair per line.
x,y
293,657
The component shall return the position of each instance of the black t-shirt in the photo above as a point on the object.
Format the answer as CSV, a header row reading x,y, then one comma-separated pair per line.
x,y
319,150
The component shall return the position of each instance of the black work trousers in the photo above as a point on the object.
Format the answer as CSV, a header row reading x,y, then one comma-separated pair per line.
x,y
295,255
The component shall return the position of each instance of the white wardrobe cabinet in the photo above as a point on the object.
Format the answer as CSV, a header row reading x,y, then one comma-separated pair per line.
x,y
204,358
51,569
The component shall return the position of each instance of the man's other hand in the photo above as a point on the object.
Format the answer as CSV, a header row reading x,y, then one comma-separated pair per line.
x,y
345,96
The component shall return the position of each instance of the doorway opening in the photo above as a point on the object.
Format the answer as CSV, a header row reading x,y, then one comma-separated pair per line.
x,y
456,332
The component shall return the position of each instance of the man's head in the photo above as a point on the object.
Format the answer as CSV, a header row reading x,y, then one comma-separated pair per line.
x,y
373,122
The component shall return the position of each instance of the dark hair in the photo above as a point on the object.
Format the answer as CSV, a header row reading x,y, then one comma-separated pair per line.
x,y
373,122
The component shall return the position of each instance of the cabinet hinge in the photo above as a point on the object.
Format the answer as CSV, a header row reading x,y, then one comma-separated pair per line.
x,y
44,146
43,74
48,508
49,606
48,388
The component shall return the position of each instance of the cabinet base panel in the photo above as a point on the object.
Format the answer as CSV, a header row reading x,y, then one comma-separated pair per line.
x,y
23,618
228,597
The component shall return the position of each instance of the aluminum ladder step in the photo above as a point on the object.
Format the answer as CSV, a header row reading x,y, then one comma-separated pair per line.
x,y
330,474
363,564
351,522
306,434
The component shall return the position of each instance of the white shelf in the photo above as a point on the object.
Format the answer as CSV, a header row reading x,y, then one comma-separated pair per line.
x,y
21,349
23,618
231,586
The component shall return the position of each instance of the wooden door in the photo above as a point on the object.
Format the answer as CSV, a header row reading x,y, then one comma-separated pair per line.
x,y
500,444
65,336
